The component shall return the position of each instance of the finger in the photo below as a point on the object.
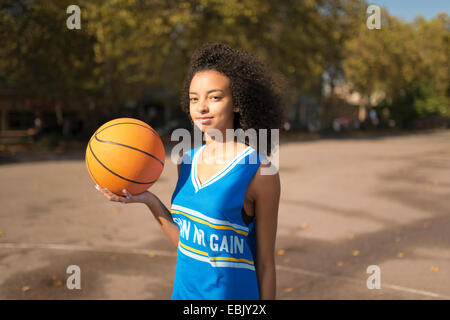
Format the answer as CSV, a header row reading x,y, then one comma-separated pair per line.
x,y
126,199
103,192
110,195
99,189
106,192
127,194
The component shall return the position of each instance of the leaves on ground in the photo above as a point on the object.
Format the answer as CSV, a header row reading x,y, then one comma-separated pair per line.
x,y
304,225
434,268
25,288
57,283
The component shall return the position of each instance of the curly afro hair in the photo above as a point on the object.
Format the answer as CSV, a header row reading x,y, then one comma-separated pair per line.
x,y
253,89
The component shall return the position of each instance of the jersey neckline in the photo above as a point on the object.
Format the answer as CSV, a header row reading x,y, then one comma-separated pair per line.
x,y
194,172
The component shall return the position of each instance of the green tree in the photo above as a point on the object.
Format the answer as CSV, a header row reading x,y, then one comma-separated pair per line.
x,y
406,62
433,38
41,57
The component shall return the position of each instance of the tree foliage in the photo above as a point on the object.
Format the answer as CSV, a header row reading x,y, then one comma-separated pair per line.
x,y
128,48
407,62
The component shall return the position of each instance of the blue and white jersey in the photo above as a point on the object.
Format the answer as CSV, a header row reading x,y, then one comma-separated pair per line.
x,y
216,249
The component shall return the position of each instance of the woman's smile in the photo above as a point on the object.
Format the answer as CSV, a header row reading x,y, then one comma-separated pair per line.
x,y
204,120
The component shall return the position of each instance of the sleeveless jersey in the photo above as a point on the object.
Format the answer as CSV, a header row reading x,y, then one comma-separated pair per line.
x,y
217,249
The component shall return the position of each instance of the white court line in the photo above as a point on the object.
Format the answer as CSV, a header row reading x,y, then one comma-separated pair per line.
x,y
68,247
362,281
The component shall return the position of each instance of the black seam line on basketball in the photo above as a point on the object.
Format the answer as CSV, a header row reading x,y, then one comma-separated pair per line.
x,y
148,128
116,173
124,145
116,124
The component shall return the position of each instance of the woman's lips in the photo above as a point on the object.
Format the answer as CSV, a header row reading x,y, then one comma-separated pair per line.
x,y
204,120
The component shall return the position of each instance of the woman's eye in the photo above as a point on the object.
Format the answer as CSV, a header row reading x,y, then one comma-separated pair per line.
x,y
193,99
215,98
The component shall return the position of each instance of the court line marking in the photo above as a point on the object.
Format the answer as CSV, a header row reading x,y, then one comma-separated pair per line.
x,y
69,247
164,253
360,281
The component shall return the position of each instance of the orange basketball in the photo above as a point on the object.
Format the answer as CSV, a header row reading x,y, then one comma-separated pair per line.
x,y
125,153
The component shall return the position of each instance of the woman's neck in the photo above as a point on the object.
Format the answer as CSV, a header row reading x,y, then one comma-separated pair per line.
x,y
216,148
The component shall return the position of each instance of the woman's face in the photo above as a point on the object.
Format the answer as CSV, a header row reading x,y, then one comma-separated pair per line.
x,y
211,105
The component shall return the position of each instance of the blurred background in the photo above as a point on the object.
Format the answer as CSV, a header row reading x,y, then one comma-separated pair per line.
x,y
364,155
129,59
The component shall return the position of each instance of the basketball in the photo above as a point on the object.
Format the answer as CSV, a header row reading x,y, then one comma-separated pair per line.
x,y
125,153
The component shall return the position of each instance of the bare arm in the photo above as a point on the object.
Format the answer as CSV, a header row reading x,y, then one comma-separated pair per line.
x,y
164,218
158,209
267,197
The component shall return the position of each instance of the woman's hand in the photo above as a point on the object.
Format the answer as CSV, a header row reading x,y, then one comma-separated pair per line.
x,y
144,197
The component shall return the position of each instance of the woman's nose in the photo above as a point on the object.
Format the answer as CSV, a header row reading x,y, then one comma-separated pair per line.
x,y
203,107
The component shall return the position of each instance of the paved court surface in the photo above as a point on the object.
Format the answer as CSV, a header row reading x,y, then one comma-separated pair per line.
x,y
346,204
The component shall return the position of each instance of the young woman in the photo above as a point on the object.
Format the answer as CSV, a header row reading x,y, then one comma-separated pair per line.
x,y
223,217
